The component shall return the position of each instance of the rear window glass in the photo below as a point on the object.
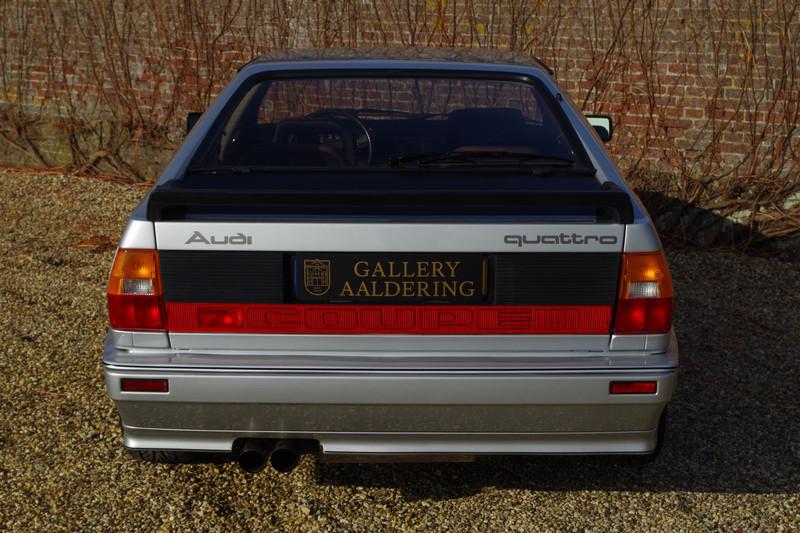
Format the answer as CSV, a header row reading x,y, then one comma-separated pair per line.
x,y
383,122
287,99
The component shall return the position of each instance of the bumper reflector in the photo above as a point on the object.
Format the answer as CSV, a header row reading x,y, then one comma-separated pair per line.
x,y
144,385
634,387
388,319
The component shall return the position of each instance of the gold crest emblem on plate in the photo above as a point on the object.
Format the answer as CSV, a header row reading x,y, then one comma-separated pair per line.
x,y
317,276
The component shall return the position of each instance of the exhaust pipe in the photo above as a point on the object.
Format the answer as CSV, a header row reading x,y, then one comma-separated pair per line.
x,y
284,456
254,455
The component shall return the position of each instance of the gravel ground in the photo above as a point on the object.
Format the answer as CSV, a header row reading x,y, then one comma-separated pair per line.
x,y
732,459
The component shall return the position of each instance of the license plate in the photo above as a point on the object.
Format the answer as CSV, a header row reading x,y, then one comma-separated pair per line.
x,y
390,278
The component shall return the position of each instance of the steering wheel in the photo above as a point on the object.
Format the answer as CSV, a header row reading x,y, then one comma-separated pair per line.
x,y
363,140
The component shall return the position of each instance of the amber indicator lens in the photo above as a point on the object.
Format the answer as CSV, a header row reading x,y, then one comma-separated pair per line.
x,y
135,272
645,275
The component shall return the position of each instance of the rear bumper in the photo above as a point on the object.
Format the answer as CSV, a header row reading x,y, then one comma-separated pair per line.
x,y
395,412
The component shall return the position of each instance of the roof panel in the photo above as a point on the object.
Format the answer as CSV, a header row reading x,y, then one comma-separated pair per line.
x,y
474,56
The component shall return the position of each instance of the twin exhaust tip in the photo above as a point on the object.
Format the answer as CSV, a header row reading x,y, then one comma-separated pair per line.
x,y
254,456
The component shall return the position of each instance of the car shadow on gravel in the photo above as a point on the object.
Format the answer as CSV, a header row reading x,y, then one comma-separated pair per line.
x,y
733,422
730,431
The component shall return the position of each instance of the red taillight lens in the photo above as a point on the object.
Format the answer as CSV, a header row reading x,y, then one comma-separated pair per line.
x,y
133,312
634,387
134,292
645,295
645,315
144,385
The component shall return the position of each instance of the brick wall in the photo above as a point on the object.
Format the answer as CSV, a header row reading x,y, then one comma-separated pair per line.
x,y
705,94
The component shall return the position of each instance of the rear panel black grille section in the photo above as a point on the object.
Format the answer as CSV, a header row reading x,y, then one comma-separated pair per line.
x,y
556,278
242,277
264,277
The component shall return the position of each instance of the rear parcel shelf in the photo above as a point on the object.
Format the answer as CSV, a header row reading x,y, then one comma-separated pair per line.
x,y
609,203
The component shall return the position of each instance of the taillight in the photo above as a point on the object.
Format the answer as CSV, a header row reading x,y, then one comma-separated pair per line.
x,y
134,292
645,294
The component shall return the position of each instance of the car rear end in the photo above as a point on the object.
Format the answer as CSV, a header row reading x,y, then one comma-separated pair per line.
x,y
379,303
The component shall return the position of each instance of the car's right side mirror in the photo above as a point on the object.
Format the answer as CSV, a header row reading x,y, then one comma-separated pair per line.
x,y
191,119
603,125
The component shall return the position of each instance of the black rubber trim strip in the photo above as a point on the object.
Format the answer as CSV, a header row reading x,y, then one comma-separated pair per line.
x,y
165,203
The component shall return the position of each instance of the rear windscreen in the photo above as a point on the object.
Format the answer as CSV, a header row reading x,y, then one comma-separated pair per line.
x,y
389,122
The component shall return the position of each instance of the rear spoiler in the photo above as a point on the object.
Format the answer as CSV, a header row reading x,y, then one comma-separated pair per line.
x,y
611,204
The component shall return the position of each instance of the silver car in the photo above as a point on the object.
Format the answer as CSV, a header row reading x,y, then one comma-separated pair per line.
x,y
390,259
